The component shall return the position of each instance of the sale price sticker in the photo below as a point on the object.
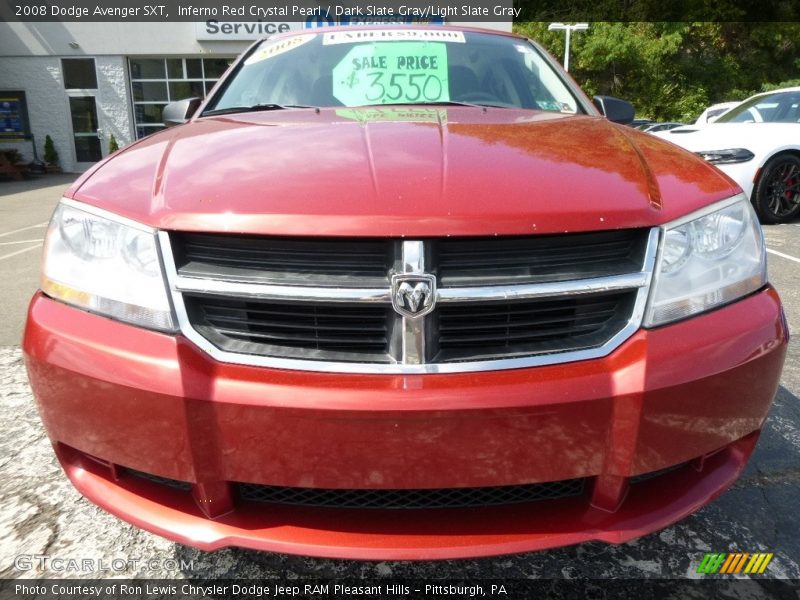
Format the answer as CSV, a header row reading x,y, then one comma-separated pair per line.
x,y
392,73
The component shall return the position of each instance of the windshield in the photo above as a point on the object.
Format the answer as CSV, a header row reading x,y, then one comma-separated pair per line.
x,y
781,107
393,66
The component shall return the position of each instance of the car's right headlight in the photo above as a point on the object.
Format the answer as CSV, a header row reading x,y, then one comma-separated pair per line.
x,y
107,265
707,259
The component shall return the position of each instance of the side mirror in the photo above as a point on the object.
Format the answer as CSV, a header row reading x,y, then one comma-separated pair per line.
x,y
177,113
614,109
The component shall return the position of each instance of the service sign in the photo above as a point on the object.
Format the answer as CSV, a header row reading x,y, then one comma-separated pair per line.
x,y
216,30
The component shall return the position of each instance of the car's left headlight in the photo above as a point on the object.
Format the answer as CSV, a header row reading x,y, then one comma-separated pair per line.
x,y
106,265
707,259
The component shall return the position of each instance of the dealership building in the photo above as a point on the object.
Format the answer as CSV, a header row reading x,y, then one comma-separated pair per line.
x,y
80,83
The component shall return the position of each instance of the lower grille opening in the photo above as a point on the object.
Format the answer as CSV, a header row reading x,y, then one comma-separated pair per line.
x,y
404,498
411,499
653,474
165,481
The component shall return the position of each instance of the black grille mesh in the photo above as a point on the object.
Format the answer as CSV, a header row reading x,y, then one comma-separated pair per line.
x,y
497,329
172,483
288,261
497,261
654,474
419,499
296,329
406,499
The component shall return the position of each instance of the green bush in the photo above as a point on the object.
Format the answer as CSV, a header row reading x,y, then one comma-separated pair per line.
x,y
768,87
113,146
50,152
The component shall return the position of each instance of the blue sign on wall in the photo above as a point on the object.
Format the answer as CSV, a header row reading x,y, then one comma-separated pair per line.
x,y
13,117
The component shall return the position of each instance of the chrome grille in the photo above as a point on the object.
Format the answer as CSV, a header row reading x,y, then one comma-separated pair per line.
x,y
327,304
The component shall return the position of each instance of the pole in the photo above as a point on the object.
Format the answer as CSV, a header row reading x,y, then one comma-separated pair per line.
x,y
567,29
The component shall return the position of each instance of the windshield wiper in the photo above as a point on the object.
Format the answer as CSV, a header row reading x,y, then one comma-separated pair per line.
x,y
453,103
488,104
254,108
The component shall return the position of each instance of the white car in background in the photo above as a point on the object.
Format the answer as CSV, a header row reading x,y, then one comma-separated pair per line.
x,y
714,112
757,144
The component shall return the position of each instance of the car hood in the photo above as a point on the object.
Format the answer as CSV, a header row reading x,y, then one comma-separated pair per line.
x,y
401,172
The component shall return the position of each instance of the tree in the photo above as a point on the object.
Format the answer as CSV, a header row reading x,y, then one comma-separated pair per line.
x,y
673,70
50,152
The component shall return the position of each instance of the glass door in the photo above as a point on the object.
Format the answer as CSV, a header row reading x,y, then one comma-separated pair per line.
x,y
85,130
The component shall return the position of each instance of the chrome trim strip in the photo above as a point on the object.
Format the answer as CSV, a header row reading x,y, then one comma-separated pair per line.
x,y
643,279
637,315
413,259
413,341
543,290
383,295
413,332
280,292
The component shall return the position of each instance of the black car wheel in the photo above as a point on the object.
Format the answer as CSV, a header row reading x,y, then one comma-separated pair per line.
x,y
777,194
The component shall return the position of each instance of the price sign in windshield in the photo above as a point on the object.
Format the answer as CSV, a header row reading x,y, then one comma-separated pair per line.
x,y
392,73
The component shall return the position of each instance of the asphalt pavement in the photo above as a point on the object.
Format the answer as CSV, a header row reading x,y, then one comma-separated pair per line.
x,y
41,514
25,209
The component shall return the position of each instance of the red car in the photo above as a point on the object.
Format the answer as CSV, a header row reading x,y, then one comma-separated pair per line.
x,y
403,293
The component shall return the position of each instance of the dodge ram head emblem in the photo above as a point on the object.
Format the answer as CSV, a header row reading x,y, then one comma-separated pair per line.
x,y
413,295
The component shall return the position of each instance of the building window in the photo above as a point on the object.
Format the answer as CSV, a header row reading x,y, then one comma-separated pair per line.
x,y
79,73
158,81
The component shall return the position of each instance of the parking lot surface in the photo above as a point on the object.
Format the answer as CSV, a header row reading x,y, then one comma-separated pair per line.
x,y
41,514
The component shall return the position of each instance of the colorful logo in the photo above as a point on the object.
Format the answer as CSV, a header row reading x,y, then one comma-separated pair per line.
x,y
739,562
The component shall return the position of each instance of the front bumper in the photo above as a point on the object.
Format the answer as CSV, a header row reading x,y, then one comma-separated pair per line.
x,y
114,398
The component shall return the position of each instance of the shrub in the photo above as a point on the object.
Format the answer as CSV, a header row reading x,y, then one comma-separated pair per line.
x,y
50,152
13,156
113,146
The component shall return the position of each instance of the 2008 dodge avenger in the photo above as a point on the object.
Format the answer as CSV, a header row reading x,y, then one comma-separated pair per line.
x,y
403,293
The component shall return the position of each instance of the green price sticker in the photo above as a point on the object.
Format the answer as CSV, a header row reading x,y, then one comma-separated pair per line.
x,y
392,73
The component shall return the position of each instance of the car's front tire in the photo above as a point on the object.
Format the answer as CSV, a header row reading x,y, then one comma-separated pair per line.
x,y
776,196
